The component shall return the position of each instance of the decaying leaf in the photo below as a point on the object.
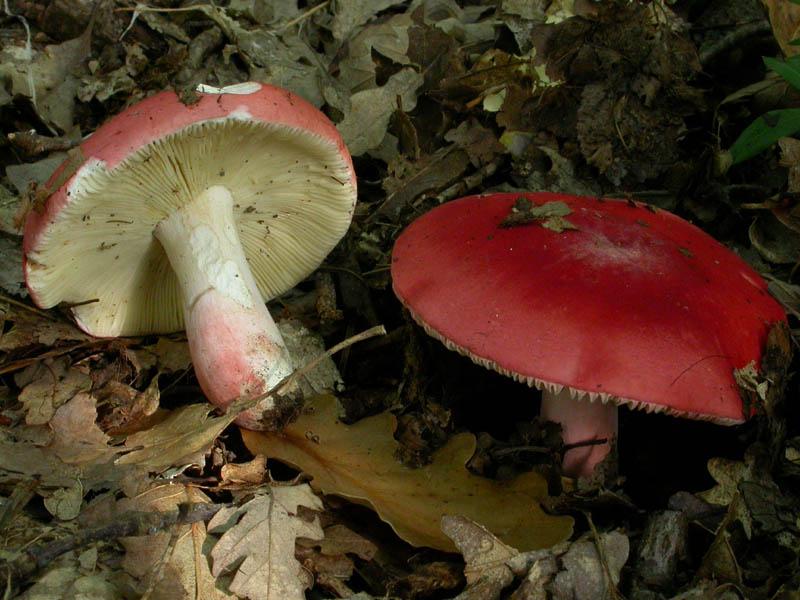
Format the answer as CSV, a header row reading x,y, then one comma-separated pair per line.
x,y
235,475
359,462
261,533
328,558
77,439
390,39
52,383
585,571
31,328
306,346
175,564
429,173
183,437
486,570
349,15
24,462
728,474
364,126
550,215
65,503
775,236
785,20
169,356
53,73
72,583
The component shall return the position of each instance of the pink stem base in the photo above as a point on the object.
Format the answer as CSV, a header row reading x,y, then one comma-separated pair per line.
x,y
236,347
581,421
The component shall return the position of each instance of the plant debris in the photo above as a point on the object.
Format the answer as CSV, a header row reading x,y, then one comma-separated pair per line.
x,y
119,480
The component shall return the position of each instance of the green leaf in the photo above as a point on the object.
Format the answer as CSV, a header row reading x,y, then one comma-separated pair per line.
x,y
790,71
765,131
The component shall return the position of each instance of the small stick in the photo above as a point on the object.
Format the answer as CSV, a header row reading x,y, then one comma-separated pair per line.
x,y
137,523
22,305
245,403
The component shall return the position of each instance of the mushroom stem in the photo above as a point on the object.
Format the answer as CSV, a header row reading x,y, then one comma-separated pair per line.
x,y
235,345
581,421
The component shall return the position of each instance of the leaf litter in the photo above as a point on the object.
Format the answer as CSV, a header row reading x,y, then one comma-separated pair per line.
x,y
435,99
412,501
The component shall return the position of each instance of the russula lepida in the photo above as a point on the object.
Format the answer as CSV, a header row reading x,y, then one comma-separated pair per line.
x,y
191,216
620,304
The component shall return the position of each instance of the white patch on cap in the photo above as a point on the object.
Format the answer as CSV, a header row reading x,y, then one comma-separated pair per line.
x,y
241,113
240,89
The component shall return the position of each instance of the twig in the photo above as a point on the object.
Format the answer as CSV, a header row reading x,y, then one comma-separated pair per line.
x,y
246,403
22,305
26,362
21,495
613,592
39,556
469,182
159,572
304,16
737,35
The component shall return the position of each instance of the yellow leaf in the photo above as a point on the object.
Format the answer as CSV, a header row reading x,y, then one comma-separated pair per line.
x,y
359,462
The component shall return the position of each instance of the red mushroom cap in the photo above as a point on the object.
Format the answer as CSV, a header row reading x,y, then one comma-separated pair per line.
x,y
290,172
163,114
636,305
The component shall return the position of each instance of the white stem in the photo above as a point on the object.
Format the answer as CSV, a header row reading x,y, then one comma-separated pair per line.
x,y
581,421
235,345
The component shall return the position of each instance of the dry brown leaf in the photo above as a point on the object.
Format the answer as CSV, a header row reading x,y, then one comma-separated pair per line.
x,y
485,555
262,534
785,20
349,15
186,573
728,474
328,558
53,382
358,462
77,439
365,125
341,540
71,583
357,71
477,141
584,573
244,475
185,436
127,409
23,462
170,356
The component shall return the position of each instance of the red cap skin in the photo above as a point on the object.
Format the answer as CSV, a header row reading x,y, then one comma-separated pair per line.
x,y
636,305
164,113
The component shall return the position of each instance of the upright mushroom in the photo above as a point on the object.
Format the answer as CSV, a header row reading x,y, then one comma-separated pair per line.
x,y
615,303
190,216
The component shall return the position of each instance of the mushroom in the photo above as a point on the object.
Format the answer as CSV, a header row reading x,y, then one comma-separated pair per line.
x,y
614,303
190,216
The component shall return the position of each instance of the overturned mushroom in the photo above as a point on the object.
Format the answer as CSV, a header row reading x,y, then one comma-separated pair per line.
x,y
190,216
